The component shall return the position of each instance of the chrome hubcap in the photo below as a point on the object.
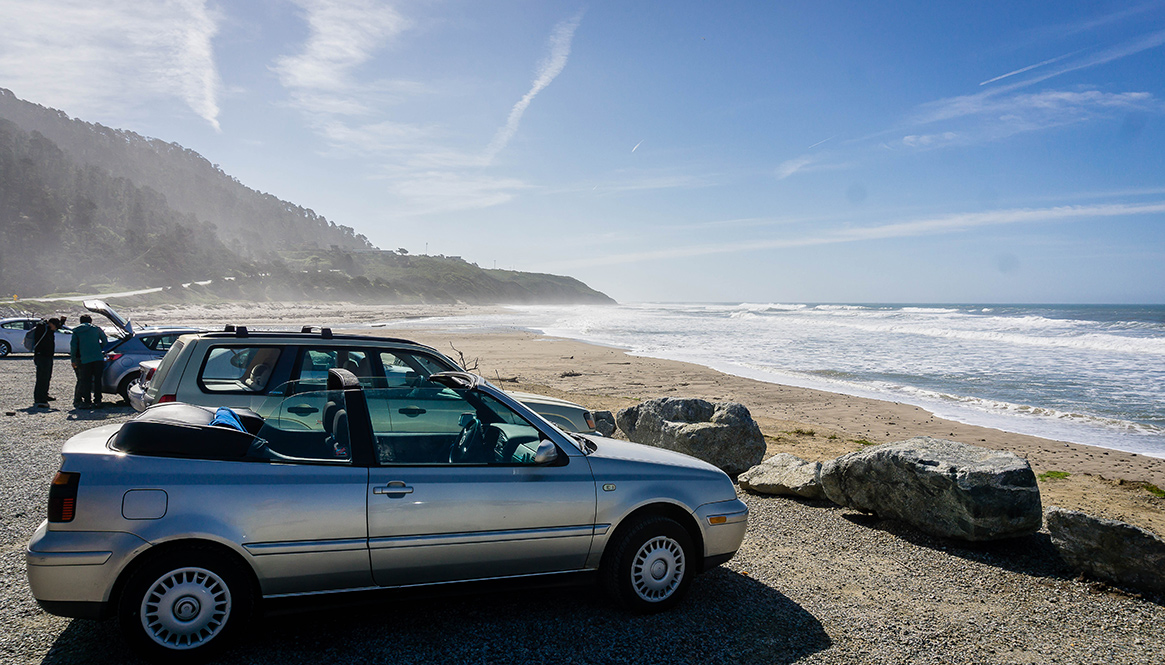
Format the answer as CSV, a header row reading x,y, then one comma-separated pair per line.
x,y
185,608
658,569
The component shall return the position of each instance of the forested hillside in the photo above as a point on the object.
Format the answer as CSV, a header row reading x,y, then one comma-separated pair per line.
x,y
89,209
253,222
66,226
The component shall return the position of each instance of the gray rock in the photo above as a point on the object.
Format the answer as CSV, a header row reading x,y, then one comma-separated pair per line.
x,y
784,474
944,488
1109,550
604,422
723,434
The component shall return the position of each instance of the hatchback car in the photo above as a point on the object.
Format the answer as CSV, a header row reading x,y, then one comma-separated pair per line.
x,y
184,522
12,333
129,345
241,368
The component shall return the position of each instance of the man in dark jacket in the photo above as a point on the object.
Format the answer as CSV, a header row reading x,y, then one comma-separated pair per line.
x,y
44,347
86,351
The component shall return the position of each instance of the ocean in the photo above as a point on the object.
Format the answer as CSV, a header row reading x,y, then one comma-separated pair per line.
x,y
1085,374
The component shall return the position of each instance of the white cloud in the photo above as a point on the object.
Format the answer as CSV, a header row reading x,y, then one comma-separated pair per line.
x,y
954,223
551,67
444,191
102,60
342,36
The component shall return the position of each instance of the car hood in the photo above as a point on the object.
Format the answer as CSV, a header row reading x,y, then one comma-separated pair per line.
x,y
614,449
533,398
125,328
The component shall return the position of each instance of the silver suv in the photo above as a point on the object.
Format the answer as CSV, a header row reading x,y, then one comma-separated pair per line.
x,y
241,368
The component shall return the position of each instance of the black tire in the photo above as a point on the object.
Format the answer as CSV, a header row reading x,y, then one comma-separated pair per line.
x,y
185,605
5,348
123,387
648,569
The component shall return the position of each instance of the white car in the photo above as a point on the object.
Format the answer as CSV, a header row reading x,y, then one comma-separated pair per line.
x,y
12,333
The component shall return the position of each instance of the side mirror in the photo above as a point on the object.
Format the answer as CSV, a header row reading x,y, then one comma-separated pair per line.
x,y
546,452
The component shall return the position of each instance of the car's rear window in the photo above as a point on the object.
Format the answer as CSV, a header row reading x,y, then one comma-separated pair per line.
x,y
160,373
237,369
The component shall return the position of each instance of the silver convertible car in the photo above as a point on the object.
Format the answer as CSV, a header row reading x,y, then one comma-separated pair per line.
x,y
184,520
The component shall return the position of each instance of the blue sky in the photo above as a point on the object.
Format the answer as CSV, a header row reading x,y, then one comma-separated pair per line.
x,y
680,151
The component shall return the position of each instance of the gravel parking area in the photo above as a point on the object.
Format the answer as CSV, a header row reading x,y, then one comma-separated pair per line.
x,y
813,584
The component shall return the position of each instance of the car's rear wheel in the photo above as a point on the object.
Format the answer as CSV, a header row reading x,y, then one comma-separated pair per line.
x,y
650,566
5,348
123,387
185,605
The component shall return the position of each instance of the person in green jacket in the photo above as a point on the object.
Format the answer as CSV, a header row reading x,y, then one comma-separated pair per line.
x,y
86,350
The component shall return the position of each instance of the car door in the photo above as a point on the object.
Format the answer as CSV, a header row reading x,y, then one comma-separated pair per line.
x,y
431,519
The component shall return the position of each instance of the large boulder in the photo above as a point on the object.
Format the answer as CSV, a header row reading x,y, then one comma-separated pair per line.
x,y
944,488
1109,550
723,434
604,422
784,474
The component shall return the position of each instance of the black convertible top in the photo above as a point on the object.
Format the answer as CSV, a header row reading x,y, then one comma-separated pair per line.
x,y
184,430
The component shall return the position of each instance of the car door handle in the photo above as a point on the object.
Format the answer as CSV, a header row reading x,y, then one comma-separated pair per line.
x,y
411,411
302,409
395,487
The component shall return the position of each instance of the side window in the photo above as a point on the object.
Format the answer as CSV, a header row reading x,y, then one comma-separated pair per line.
x,y
432,424
407,369
15,325
236,369
160,342
397,372
316,361
308,427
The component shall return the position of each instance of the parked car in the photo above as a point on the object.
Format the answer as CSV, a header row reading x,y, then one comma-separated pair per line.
x,y
136,393
12,333
129,345
238,368
184,528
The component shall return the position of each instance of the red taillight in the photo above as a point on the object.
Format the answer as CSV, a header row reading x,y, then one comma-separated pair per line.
x,y
63,497
590,419
149,375
110,357
167,398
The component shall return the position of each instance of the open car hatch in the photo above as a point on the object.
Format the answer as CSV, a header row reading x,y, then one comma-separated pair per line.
x,y
99,307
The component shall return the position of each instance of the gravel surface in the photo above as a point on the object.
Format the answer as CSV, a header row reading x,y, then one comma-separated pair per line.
x,y
813,584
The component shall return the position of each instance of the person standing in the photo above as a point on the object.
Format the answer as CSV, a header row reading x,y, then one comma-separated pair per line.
x,y
44,347
86,350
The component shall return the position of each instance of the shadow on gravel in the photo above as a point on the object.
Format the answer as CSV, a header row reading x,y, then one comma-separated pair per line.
x,y
1031,555
726,618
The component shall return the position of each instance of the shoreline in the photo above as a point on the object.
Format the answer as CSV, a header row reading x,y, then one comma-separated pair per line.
x,y
813,424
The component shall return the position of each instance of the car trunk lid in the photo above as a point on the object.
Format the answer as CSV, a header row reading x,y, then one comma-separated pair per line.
x,y
124,326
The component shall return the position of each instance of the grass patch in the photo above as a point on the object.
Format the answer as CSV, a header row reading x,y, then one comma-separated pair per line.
x,y
833,437
804,432
1053,475
1140,484
863,442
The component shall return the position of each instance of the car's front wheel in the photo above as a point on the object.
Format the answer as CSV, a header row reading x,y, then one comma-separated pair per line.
x,y
185,605
650,565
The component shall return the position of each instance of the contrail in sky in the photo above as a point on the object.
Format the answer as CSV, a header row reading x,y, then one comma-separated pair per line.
x,y
1029,68
549,68
637,145
820,142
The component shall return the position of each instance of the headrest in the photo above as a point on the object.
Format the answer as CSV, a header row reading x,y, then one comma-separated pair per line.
x,y
342,379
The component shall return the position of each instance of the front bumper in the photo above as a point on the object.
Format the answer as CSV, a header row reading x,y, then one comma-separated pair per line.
x,y
72,573
724,524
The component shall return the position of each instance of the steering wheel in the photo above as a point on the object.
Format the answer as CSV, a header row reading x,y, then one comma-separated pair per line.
x,y
468,447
